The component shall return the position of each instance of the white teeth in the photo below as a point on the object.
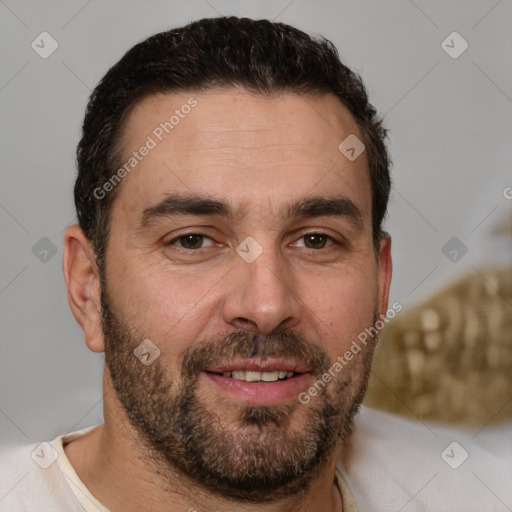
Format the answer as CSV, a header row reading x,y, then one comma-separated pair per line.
x,y
269,376
250,376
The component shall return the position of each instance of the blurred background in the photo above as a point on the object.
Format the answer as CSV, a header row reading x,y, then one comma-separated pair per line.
x,y
439,73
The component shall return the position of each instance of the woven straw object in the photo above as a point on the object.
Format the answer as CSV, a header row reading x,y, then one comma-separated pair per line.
x,y
450,359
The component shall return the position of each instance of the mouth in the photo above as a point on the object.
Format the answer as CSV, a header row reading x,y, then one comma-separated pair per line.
x,y
267,376
258,382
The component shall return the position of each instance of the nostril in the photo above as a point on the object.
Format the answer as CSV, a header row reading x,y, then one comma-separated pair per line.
x,y
244,324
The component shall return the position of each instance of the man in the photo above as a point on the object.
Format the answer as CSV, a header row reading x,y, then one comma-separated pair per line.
x,y
232,183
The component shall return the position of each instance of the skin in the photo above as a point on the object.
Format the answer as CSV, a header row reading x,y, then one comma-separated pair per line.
x,y
260,153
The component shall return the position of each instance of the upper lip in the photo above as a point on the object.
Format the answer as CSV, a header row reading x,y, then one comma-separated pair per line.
x,y
259,365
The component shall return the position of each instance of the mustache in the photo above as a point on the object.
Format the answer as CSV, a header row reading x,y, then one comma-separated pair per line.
x,y
241,344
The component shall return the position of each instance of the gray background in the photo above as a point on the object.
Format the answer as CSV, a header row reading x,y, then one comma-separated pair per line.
x,y
450,142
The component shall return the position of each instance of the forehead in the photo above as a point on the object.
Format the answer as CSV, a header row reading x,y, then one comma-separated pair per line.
x,y
254,149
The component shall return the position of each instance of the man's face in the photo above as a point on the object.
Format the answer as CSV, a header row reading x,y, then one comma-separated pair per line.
x,y
243,325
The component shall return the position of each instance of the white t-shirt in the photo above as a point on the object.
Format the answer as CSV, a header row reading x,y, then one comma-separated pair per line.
x,y
394,464
389,464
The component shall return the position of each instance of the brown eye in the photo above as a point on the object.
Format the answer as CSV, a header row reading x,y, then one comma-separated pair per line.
x,y
315,240
190,241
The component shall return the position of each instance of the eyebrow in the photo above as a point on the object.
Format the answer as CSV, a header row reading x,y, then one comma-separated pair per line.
x,y
318,206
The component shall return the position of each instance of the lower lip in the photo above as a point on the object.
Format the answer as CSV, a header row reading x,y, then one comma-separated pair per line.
x,y
261,393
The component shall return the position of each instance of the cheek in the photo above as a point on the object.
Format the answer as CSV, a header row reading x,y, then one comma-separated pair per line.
x,y
166,306
341,309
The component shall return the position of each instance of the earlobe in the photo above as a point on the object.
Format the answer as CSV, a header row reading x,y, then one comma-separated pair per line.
x,y
83,286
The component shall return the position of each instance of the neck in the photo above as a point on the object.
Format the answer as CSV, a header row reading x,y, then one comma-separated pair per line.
x,y
114,465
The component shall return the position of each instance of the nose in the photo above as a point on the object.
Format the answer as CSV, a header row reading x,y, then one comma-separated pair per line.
x,y
261,297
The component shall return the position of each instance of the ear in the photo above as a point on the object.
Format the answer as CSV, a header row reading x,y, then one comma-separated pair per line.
x,y
385,269
83,286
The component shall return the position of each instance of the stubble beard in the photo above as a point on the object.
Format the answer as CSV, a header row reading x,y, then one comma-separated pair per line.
x,y
272,452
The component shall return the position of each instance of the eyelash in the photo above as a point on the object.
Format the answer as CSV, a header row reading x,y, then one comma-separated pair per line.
x,y
329,237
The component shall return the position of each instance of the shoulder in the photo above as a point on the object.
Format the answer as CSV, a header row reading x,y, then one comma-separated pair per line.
x,y
392,462
31,480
